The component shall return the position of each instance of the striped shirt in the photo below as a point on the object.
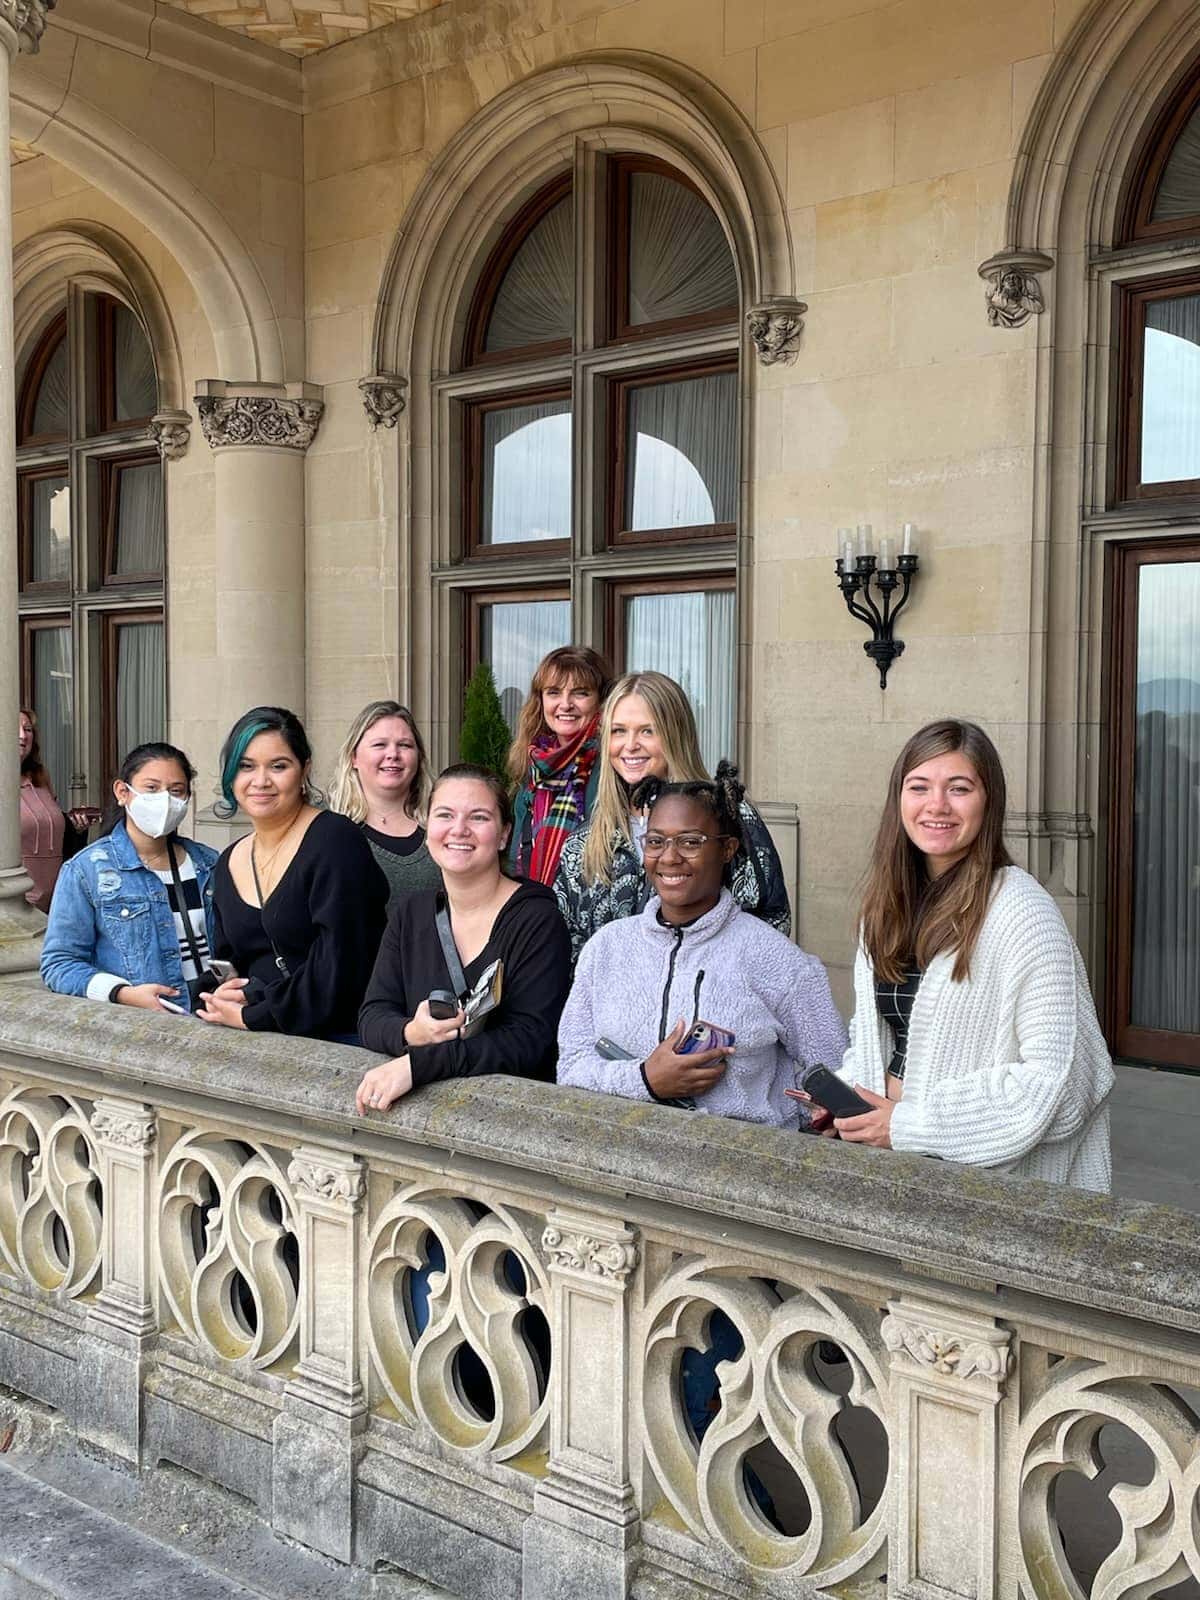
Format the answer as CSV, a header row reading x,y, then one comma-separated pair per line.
x,y
193,909
894,1002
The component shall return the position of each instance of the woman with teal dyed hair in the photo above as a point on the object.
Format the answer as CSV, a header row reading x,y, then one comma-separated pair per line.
x,y
298,904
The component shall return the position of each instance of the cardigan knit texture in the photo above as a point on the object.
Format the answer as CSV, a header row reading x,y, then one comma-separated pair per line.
x,y
1007,1069
638,977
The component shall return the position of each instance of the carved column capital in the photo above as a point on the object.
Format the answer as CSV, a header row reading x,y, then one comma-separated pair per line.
x,y
775,327
383,398
171,431
124,1127
318,1176
945,1345
26,23
1014,291
611,1258
276,416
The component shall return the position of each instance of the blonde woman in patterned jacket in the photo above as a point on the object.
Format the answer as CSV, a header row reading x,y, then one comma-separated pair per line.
x,y
974,1035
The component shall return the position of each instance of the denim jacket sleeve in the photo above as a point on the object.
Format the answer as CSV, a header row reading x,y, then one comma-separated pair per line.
x,y
69,945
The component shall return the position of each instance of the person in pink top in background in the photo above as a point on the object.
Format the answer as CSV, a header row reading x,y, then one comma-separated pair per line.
x,y
42,823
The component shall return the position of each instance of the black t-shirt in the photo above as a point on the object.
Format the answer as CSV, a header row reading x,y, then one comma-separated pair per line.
x,y
394,844
324,918
521,1036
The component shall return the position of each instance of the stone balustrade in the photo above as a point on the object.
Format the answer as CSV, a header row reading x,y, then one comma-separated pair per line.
x,y
454,1339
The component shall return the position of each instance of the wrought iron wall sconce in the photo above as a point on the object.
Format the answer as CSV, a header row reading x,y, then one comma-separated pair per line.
x,y
857,565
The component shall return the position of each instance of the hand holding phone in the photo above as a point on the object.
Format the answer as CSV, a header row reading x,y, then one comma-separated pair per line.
x,y
706,1036
674,1074
827,1090
169,1005
442,1005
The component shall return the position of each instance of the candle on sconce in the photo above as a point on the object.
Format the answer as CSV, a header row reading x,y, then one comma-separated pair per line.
x,y
843,539
865,546
909,547
887,554
848,553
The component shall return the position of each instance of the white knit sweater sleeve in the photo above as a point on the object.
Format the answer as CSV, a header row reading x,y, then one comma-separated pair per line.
x,y
991,1113
579,1062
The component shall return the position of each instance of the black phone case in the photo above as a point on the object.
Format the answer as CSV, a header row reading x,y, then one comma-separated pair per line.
x,y
831,1094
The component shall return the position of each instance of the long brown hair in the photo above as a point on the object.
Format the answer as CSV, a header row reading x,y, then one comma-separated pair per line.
x,y
568,664
905,912
32,765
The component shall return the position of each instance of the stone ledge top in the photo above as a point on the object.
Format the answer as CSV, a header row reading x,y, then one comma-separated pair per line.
x,y
1123,1256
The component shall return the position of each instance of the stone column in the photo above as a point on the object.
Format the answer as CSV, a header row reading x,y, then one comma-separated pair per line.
x,y
316,1434
949,1369
121,1323
22,23
582,1538
259,433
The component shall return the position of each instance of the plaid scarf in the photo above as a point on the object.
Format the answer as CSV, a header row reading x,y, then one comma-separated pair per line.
x,y
554,802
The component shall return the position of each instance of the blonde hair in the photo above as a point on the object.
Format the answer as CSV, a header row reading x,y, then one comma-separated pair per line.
x,y
675,726
568,664
346,792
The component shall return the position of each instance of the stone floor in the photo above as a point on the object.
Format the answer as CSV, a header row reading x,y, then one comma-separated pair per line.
x,y
1156,1136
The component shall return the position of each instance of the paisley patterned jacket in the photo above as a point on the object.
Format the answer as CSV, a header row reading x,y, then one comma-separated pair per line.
x,y
757,884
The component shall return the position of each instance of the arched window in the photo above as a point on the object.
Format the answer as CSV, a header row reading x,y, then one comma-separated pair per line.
x,y
90,542
598,397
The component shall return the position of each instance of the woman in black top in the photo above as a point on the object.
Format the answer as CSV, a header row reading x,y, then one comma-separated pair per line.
x,y
298,905
491,918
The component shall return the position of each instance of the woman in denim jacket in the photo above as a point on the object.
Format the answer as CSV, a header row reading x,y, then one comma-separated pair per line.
x,y
116,929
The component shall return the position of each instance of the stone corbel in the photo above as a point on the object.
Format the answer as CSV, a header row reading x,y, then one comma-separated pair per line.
x,y
775,327
171,431
280,416
27,20
383,398
1014,291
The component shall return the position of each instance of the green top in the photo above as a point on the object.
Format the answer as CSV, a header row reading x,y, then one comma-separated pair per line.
x,y
406,863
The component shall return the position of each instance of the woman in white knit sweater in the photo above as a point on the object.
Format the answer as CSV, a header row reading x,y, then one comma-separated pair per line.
x,y
974,1035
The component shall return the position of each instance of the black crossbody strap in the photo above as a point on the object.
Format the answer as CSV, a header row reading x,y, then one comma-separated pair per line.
x,y
184,913
454,968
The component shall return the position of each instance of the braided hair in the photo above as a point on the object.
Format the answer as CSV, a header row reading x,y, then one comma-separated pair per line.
x,y
721,796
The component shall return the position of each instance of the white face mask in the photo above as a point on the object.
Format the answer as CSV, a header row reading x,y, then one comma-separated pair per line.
x,y
156,814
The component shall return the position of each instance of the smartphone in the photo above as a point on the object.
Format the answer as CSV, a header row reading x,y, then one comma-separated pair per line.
x,y
706,1036
829,1092
443,1005
612,1052
223,969
169,1005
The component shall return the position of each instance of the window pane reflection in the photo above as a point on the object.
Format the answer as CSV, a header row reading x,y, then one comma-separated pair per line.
x,y
535,303
680,263
527,473
690,637
51,663
1171,391
514,636
1166,829
681,443
50,513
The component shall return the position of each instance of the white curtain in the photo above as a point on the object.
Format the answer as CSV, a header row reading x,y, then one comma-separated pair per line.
x,y
1166,832
137,389
50,408
1179,188
139,518
141,685
51,530
536,299
516,636
53,704
690,637
680,263
684,461
527,473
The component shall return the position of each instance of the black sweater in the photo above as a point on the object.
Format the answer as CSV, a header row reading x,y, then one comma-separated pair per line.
x,y
521,1035
326,917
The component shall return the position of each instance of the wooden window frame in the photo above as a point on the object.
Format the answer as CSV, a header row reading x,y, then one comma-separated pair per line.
x,y
514,594
619,590
107,420
1147,168
618,453
26,478
111,469
1125,562
476,410
1131,322
111,622
620,227
498,263
35,370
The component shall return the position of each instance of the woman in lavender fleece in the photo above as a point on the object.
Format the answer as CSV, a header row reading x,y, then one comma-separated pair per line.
x,y
694,955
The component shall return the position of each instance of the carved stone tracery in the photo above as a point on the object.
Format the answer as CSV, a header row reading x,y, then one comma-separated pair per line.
x,y
775,328
50,1218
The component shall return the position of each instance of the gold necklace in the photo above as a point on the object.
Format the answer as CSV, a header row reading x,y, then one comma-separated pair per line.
x,y
270,860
